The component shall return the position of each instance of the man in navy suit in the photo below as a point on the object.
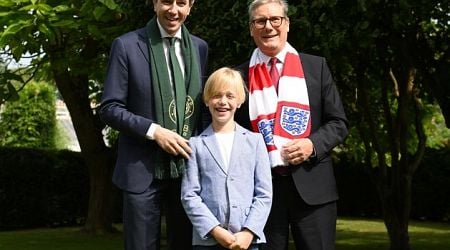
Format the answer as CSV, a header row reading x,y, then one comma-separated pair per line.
x,y
295,105
152,96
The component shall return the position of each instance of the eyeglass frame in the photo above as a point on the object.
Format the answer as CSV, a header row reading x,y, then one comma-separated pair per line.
x,y
270,19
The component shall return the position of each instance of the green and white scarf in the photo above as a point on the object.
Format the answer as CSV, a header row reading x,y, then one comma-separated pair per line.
x,y
169,166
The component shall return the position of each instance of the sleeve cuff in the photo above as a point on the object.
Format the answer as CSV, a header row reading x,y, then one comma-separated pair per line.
x,y
313,156
151,131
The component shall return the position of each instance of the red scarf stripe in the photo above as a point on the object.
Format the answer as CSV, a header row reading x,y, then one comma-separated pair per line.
x,y
294,67
259,77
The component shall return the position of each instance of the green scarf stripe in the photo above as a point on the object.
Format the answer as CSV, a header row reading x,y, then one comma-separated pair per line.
x,y
168,166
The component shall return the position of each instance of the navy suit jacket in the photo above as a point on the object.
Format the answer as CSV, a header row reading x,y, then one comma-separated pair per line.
x,y
314,180
128,106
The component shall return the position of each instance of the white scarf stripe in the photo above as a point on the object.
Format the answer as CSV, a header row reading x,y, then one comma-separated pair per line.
x,y
275,158
263,103
298,94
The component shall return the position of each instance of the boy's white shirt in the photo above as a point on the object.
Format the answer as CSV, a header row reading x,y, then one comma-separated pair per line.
x,y
225,142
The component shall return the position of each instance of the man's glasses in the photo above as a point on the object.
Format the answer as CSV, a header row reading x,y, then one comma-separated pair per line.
x,y
275,21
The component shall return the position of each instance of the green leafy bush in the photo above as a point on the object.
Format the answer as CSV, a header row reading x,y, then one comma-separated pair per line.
x,y
31,120
430,188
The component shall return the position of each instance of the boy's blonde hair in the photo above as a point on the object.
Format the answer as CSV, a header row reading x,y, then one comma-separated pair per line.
x,y
223,79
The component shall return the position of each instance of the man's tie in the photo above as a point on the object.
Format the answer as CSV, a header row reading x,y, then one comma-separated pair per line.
x,y
178,80
274,75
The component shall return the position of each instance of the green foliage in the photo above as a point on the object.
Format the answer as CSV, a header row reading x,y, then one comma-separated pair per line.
x,y
438,134
8,90
370,43
31,121
430,188
73,34
111,137
41,188
225,26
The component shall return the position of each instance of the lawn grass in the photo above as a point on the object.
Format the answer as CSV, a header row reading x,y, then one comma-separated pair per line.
x,y
58,239
352,234
361,234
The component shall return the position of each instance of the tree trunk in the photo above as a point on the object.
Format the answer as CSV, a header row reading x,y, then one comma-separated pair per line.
x,y
393,177
99,217
396,204
98,157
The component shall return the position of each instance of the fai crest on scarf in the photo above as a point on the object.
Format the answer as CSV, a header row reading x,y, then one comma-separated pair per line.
x,y
265,127
294,120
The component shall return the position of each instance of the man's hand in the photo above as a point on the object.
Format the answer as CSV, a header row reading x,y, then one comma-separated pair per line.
x,y
297,151
172,142
225,238
243,240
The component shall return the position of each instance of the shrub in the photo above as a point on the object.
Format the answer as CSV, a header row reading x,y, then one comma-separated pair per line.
x,y
31,120
42,188
429,193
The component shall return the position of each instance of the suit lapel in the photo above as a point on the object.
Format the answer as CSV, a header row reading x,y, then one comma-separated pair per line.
x,y
309,78
236,151
142,43
211,144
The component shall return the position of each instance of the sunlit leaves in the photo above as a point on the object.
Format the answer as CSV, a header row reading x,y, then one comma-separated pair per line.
x,y
16,27
111,4
8,90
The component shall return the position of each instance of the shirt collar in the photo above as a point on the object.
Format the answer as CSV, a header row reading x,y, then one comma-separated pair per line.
x,y
164,34
280,56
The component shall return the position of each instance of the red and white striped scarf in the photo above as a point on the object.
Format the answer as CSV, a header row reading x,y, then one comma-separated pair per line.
x,y
283,117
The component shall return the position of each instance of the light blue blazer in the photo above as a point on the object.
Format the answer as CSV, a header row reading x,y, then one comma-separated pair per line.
x,y
235,199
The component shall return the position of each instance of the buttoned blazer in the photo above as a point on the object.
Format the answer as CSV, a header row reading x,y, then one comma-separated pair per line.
x,y
235,199
314,180
128,106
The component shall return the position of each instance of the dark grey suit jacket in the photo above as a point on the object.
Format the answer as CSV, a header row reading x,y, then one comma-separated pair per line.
x,y
314,180
128,106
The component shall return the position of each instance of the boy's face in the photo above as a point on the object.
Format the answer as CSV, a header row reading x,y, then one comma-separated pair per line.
x,y
222,106
172,13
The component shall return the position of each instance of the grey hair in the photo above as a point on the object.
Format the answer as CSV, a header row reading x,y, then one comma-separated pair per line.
x,y
256,3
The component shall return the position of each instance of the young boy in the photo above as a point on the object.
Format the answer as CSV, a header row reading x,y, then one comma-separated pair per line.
x,y
227,187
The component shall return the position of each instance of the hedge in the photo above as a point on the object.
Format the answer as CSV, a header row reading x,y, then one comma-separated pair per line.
x,y
41,188
430,188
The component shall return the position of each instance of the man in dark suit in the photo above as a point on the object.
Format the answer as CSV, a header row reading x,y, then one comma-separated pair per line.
x,y
152,96
295,105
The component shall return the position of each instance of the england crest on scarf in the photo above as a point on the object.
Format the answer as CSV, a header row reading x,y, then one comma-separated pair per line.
x,y
294,119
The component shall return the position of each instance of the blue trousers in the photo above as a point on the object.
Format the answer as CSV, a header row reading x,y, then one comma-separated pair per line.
x,y
142,217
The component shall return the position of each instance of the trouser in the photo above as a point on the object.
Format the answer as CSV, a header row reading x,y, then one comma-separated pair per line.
x,y
142,217
313,227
